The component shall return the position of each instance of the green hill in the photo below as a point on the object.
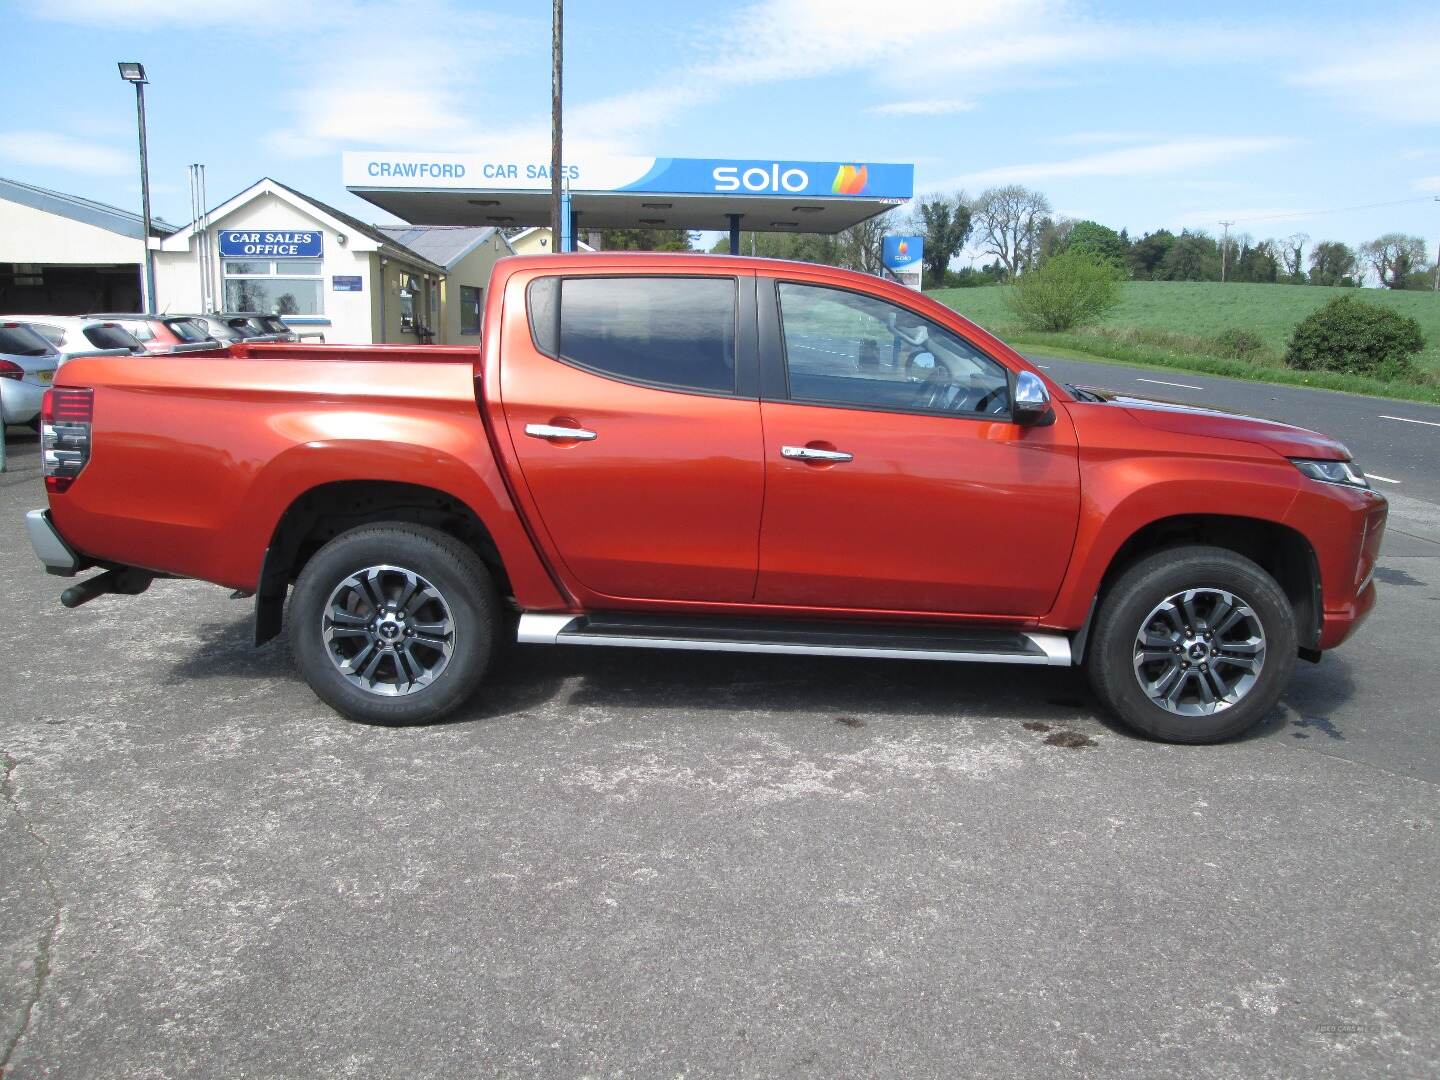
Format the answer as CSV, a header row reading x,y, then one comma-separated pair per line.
x,y
1201,309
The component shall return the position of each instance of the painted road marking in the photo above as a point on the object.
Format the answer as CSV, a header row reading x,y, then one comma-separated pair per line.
x,y
1382,479
1408,420
1162,382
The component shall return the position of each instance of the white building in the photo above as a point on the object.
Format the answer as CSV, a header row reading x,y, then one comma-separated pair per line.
x,y
276,250
61,254
269,249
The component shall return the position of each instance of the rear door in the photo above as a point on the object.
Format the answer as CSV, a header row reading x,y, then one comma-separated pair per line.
x,y
632,409
895,479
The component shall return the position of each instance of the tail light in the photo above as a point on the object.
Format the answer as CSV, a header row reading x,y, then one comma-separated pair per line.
x,y
65,417
11,370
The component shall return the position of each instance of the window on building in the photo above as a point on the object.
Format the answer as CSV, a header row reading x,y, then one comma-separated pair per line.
x,y
470,299
274,286
672,331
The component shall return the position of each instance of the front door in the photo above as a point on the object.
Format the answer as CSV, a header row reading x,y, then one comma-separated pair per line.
x,y
635,421
895,480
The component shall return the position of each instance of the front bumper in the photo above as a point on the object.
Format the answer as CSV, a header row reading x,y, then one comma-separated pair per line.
x,y
50,547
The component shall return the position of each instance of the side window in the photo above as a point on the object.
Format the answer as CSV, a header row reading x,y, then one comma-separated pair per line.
x,y
672,331
846,348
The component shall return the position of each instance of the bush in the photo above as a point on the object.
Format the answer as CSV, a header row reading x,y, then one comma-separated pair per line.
x,y
1238,344
1357,338
1068,290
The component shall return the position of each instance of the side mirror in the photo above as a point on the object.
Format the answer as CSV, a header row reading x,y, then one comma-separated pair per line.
x,y
1031,407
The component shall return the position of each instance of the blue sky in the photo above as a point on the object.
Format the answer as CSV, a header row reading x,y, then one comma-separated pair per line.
x,y
1285,117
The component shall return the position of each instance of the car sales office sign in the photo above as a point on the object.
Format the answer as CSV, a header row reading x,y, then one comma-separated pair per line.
x,y
265,244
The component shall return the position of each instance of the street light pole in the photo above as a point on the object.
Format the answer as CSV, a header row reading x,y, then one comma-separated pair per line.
x,y
134,72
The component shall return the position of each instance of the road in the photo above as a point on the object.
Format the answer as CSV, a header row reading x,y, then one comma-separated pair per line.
x,y
621,863
1397,440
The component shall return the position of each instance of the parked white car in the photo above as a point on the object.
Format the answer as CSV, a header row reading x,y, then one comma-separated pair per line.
x,y
79,335
27,368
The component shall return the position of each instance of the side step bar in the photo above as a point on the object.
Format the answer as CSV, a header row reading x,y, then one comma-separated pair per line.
x,y
803,638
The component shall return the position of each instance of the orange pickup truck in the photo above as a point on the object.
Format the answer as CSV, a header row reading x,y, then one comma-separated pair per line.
x,y
701,452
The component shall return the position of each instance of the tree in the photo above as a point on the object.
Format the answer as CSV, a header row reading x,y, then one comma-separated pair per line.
x,y
945,221
1357,338
1147,254
1394,257
1194,256
1067,290
802,247
645,240
858,247
1291,252
1095,239
1008,220
1332,263
1257,263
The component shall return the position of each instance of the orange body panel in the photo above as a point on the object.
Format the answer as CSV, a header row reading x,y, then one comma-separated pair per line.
x,y
683,502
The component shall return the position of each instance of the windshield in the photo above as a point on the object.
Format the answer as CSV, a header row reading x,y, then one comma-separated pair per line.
x,y
274,324
22,341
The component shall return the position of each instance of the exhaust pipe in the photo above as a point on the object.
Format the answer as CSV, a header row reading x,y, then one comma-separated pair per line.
x,y
127,581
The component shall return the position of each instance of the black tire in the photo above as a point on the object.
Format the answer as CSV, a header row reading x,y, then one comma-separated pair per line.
x,y
456,573
1111,656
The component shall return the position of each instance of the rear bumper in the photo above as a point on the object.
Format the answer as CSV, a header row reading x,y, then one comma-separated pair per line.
x,y
50,547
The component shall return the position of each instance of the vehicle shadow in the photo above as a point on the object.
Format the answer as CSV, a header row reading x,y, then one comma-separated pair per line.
x,y
525,678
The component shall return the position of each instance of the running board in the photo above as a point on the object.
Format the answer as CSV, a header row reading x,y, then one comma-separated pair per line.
x,y
803,638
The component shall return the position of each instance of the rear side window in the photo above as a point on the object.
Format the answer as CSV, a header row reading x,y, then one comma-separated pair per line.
x,y
140,329
110,337
670,331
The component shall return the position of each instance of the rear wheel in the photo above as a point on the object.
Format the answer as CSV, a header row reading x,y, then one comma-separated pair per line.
x,y
1192,645
393,624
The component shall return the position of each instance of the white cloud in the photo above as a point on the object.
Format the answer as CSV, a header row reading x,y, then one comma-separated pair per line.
x,y
1103,138
1428,184
64,152
1173,155
923,107
1390,76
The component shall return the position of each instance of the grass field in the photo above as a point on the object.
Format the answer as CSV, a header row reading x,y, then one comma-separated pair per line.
x,y
1201,309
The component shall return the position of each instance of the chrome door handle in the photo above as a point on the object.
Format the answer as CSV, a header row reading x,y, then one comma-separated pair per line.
x,y
550,431
809,453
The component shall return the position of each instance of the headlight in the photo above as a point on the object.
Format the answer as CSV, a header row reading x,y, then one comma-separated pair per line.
x,y
1332,472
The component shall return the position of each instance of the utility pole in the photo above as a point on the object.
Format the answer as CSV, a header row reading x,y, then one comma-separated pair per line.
x,y
1224,249
557,53
1437,257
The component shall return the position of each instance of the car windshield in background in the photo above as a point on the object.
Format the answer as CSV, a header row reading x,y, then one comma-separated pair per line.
x,y
186,330
53,334
242,327
111,337
274,324
22,341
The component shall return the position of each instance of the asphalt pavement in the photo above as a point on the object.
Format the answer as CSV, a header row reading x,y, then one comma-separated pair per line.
x,y
623,863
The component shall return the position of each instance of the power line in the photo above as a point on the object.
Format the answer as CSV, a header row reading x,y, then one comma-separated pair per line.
x,y
1335,210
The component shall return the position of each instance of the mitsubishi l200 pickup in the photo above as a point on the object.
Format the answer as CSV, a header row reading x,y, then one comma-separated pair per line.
x,y
704,452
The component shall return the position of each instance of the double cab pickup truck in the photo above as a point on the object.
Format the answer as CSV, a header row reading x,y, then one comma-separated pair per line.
x,y
703,452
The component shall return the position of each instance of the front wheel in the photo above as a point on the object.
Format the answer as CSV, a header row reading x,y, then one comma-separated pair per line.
x,y
393,624
1192,645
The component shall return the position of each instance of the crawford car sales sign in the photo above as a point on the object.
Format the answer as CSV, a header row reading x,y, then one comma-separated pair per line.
x,y
264,244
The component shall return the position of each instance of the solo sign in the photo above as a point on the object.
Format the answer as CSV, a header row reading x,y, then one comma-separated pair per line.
x,y
265,244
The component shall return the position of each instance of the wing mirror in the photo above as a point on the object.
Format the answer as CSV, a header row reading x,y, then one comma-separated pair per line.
x,y
1031,407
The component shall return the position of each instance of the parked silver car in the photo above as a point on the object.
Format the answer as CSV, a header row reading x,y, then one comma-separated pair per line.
x,y
80,335
27,368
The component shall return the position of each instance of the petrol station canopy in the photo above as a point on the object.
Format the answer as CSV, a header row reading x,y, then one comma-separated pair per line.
x,y
630,192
